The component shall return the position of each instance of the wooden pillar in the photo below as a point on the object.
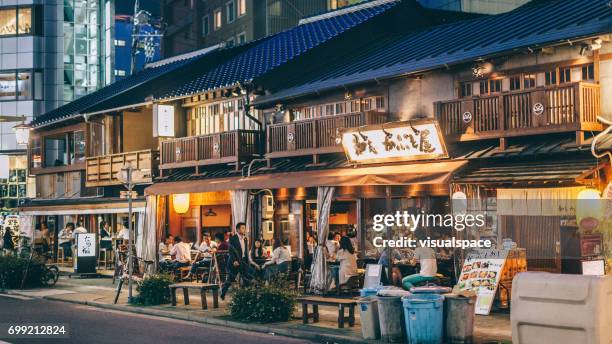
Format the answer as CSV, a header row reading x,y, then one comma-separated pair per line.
x,y
388,206
361,226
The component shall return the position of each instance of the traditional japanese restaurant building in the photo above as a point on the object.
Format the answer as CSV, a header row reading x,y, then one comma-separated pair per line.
x,y
374,108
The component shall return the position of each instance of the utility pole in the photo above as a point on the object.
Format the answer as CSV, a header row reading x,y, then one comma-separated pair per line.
x,y
134,39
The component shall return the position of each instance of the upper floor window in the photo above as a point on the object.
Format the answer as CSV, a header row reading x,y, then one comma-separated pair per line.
x,y
205,25
19,21
241,8
515,82
465,89
230,11
376,103
550,77
231,42
218,18
565,75
21,84
241,38
120,43
490,86
64,149
529,80
588,72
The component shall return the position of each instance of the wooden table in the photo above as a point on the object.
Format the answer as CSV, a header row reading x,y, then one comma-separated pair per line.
x,y
203,287
317,301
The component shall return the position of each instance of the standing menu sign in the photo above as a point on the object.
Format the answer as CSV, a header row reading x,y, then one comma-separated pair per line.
x,y
85,262
481,273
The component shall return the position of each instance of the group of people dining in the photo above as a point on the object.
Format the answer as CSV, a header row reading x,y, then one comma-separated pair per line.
x,y
174,253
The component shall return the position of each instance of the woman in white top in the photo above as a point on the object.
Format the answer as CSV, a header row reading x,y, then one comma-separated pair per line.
x,y
332,244
348,260
279,262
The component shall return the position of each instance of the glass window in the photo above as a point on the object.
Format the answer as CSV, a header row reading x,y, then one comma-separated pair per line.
x,y
515,82
218,18
495,85
35,153
529,81
24,20
242,38
205,25
8,85
24,85
8,21
241,8
55,151
550,77
588,72
465,89
77,146
565,75
230,11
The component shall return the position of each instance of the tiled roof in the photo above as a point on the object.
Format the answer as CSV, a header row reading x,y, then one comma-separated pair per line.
x,y
536,24
273,51
111,92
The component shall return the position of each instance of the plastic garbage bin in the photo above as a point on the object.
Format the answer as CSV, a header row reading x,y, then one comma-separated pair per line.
x,y
459,318
391,319
368,313
424,318
367,292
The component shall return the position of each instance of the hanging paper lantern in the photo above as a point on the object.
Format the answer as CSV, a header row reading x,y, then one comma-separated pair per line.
x,y
180,203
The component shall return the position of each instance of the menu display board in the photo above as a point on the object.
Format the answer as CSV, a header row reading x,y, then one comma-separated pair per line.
x,y
481,273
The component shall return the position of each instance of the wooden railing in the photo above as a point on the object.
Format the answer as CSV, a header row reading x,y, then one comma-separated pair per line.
x,y
557,108
230,146
102,170
314,136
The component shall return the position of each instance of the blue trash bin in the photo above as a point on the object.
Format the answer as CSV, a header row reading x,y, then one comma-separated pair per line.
x,y
367,292
424,318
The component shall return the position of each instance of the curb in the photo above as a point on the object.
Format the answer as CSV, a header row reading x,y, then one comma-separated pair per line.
x,y
294,333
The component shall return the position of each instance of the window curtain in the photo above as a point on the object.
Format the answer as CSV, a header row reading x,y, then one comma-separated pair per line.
x,y
139,234
240,202
26,226
318,282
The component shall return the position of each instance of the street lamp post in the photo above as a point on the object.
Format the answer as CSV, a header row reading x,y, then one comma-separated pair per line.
x,y
127,175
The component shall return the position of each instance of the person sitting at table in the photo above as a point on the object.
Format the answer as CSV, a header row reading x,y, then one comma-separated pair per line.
x,y
348,260
426,256
396,273
104,230
124,233
64,239
205,250
42,238
222,245
332,244
258,253
279,263
181,252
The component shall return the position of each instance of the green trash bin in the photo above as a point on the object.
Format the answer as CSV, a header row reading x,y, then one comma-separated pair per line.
x,y
368,313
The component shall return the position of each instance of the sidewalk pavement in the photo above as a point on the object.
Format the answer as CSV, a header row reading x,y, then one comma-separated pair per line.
x,y
100,292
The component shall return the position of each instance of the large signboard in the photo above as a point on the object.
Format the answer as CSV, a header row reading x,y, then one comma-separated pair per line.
x,y
481,273
85,262
398,141
163,120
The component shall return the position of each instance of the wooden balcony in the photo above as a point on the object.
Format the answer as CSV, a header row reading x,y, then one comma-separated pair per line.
x,y
228,147
314,136
102,170
558,108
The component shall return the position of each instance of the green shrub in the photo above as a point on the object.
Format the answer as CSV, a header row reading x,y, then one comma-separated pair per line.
x,y
154,290
12,269
263,303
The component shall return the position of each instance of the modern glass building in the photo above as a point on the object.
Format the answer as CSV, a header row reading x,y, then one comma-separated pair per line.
x,y
51,52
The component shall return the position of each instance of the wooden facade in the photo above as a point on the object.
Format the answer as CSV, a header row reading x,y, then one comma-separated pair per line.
x,y
102,170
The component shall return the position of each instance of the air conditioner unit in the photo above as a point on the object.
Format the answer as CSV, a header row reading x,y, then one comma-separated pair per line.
x,y
268,230
267,207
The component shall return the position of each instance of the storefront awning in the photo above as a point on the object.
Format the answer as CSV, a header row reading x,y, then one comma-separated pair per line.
x,y
564,171
86,209
402,174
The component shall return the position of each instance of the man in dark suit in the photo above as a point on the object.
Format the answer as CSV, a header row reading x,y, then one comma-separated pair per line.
x,y
239,259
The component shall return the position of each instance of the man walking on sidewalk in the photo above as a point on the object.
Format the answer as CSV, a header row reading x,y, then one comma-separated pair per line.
x,y
239,259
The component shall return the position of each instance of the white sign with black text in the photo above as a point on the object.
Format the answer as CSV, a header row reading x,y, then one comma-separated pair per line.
x,y
163,120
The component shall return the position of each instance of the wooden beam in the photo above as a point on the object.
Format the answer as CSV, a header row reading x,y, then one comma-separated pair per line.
x,y
580,138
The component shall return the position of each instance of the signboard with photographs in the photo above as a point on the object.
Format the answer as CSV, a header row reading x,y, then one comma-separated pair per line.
x,y
399,141
481,273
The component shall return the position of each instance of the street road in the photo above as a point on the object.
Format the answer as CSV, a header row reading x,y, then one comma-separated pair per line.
x,y
92,325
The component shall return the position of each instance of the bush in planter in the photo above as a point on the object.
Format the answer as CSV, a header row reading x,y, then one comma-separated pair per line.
x,y
154,290
263,303
12,269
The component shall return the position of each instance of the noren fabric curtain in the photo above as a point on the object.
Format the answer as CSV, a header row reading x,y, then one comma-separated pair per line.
x,y
318,282
240,205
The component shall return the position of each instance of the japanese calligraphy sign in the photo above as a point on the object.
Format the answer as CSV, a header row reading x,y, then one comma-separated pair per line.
x,y
397,141
481,273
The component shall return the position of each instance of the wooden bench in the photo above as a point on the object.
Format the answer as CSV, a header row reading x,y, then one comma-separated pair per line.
x,y
203,287
317,301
